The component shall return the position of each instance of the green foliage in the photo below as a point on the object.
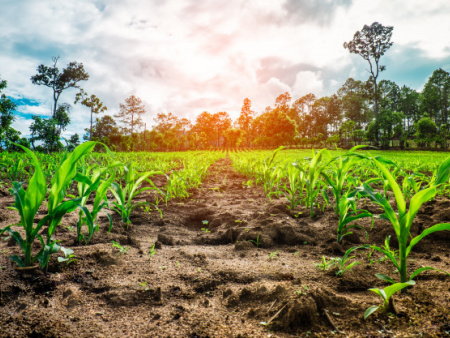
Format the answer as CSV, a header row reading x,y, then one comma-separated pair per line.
x,y
348,213
122,249
312,183
402,220
386,295
125,195
28,202
90,180
293,188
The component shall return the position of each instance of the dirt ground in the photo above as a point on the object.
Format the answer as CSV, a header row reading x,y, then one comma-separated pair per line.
x,y
250,274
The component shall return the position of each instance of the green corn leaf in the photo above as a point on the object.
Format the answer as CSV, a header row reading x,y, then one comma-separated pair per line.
x,y
65,173
443,172
102,191
385,278
388,254
370,310
401,204
420,270
110,222
394,288
32,199
16,259
117,191
79,177
416,202
354,218
426,232
17,237
379,292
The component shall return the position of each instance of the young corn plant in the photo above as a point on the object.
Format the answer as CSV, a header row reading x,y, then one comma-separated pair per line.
x,y
86,186
402,220
294,187
341,262
313,183
337,177
348,213
386,295
125,195
267,175
28,202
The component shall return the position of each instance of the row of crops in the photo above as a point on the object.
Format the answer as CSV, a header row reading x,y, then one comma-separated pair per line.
x,y
343,179
60,184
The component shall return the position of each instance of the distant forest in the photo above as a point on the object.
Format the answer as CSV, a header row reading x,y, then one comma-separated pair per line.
x,y
380,113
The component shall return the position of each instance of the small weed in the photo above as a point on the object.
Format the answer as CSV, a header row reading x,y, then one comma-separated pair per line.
x,y
257,242
325,264
274,254
152,251
69,256
205,230
303,290
122,249
144,285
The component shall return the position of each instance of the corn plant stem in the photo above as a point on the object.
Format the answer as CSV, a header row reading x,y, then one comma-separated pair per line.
x,y
28,246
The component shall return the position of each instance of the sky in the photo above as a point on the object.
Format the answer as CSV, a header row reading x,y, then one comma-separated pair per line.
x,y
190,56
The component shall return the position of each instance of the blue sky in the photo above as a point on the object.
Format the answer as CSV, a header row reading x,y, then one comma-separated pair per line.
x,y
189,56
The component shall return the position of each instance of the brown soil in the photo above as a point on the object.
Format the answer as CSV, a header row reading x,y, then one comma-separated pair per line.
x,y
220,283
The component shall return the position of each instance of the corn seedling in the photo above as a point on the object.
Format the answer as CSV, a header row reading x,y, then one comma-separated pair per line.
x,y
256,242
337,177
122,249
85,187
152,252
313,183
274,254
294,187
124,195
386,295
342,262
403,219
144,285
325,264
69,256
27,203
348,213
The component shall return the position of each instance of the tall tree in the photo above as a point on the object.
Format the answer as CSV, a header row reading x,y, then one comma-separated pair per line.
x,y
45,130
7,117
409,106
371,43
354,97
106,131
59,81
92,102
130,113
222,122
436,97
301,110
244,121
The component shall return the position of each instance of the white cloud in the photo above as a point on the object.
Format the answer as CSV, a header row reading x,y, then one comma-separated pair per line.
x,y
307,82
187,57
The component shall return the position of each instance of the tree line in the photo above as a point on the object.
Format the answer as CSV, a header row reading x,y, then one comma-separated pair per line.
x,y
373,112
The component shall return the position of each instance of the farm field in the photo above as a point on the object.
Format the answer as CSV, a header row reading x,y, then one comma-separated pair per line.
x,y
231,244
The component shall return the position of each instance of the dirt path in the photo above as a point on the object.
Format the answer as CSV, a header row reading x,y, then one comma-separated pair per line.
x,y
252,263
